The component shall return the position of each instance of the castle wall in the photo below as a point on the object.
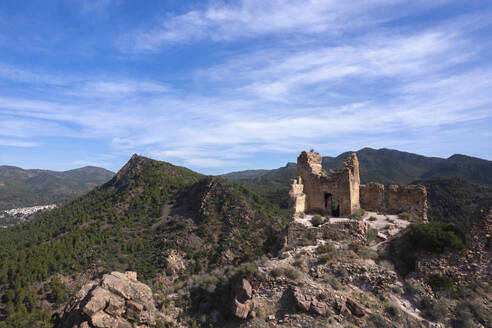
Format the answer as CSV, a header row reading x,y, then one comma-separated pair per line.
x,y
339,193
372,196
411,199
301,235
297,197
322,188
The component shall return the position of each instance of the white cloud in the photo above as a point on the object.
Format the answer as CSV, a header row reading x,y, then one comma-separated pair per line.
x,y
253,18
16,143
390,87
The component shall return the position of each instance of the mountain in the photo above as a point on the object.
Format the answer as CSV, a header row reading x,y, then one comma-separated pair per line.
x,y
382,165
385,166
146,216
216,253
24,188
455,200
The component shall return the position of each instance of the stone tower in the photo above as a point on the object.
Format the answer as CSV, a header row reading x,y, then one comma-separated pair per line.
x,y
335,193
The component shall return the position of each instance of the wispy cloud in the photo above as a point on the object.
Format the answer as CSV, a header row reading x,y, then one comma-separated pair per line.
x,y
16,143
254,18
327,74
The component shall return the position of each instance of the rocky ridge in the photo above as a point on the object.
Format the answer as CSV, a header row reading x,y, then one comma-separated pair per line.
x,y
116,300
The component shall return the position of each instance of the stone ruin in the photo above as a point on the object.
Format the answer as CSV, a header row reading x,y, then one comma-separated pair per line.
x,y
340,194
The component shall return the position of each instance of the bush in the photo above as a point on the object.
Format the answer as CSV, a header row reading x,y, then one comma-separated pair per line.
x,y
438,282
392,310
407,217
247,270
469,311
325,248
317,220
434,237
434,310
287,271
324,258
354,246
333,281
358,214
372,234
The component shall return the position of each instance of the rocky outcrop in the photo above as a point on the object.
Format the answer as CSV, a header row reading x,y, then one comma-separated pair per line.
x,y
475,265
299,234
309,303
242,302
117,300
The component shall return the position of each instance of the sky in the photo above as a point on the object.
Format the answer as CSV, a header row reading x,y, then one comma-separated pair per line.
x,y
220,86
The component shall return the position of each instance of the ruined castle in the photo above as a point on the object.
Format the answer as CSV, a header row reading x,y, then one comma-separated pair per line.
x,y
340,194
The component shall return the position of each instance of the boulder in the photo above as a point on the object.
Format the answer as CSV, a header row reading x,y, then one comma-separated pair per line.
x,y
355,308
308,303
242,298
117,300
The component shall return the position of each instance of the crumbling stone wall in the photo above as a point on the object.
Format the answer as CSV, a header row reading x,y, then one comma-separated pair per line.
x,y
327,192
299,234
339,193
411,199
372,196
297,197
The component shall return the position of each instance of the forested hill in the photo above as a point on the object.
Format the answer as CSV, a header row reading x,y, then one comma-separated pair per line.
x,y
23,188
132,223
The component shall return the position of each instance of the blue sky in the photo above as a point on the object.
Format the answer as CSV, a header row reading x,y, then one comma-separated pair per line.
x,y
228,85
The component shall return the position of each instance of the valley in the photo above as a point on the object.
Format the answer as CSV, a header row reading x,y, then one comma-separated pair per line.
x,y
192,238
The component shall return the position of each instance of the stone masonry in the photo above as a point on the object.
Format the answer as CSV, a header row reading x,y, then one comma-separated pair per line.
x,y
340,194
372,196
335,193
411,199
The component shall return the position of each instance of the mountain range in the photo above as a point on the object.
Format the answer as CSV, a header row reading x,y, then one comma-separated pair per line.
x,y
186,234
24,188
385,166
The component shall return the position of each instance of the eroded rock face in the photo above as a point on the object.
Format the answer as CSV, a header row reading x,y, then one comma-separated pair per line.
x,y
117,300
242,299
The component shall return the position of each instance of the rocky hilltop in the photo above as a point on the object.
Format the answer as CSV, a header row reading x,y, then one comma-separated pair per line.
x,y
116,300
209,252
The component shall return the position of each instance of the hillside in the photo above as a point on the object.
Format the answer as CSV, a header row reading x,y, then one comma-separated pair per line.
x,y
148,212
24,188
384,166
457,174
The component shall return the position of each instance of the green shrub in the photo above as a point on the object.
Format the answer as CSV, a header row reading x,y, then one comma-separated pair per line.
x,y
325,248
317,220
287,271
358,214
356,247
324,258
247,270
392,310
333,281
407,217
470,310
434,310
434,237
372,234
438,282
